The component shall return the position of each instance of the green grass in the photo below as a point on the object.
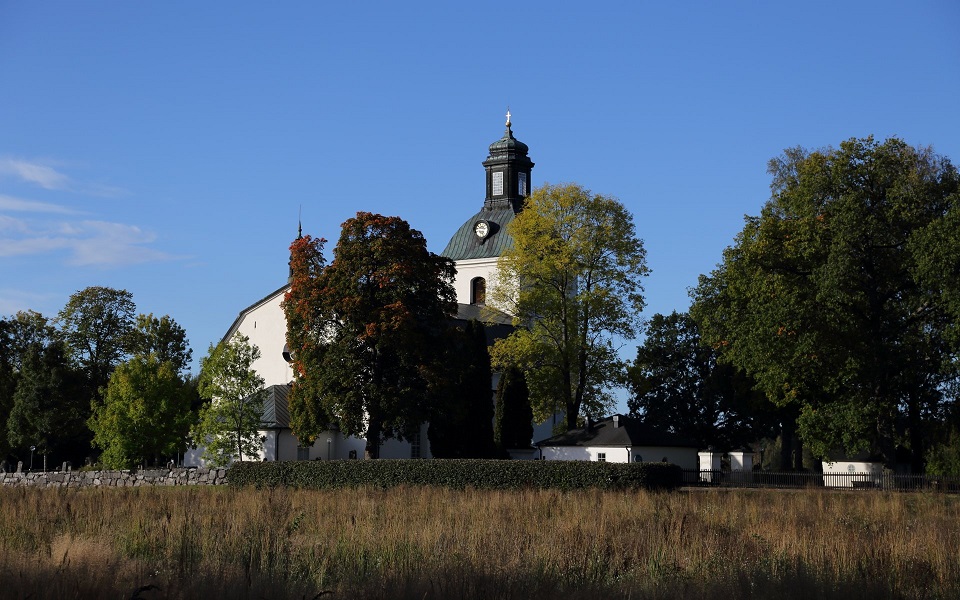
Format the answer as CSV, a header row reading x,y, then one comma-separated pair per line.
x,y
440,543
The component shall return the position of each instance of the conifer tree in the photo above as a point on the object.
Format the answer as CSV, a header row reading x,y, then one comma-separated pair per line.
x,y
462,423
514,417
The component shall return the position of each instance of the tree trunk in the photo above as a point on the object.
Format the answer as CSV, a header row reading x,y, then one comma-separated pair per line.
x,y
918,443
797,453
374,430
788,431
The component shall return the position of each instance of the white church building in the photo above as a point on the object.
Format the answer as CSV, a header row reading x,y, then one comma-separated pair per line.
x,y
474,248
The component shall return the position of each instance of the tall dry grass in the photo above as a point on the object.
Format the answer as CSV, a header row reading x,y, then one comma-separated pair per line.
x,y
435,543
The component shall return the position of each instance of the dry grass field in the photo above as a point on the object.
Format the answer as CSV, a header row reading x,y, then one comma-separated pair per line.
x,y
200,542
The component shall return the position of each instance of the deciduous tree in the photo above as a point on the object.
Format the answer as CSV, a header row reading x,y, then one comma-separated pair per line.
x,y
831,298
162,337
369,332
306,328
145,414
98,325
229,422
678,385
573,281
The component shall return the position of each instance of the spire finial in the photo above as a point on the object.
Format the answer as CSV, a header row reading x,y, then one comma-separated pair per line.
x,y
508,117
300,222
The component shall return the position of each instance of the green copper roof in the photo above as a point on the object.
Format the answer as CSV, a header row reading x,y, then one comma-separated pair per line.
x,y
465,245
508,146
276,410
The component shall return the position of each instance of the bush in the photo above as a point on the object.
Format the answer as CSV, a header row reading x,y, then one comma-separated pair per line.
x,y
457,474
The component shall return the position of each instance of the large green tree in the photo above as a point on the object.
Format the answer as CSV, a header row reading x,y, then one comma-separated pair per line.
x,y
18,334
679,386
98,323
228,423
368,330
831,298
48,410
145,414
162,337
573,281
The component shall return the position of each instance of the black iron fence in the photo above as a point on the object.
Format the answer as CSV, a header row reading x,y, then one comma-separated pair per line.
x,y
839,481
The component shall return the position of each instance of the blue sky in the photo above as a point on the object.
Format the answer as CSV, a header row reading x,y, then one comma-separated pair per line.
x,y
167,148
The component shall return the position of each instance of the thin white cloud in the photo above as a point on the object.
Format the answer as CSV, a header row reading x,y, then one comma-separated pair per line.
x,y
34,228
10,203
113,244
84,243
46,175
11,224
34,172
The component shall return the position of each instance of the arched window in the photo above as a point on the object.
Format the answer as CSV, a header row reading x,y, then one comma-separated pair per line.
x,y
478,291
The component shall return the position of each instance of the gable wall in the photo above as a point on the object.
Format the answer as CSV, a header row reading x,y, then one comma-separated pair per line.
x,y
266,326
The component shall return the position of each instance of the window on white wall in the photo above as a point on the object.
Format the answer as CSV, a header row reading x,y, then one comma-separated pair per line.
x,y
415,446
478,291
601,457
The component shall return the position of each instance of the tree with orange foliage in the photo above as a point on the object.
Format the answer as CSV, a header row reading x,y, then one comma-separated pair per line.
x,y
305,326
366,330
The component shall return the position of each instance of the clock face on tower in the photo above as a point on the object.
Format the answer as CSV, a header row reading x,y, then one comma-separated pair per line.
x,y
482,229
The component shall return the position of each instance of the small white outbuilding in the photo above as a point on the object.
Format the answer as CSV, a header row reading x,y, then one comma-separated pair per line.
x,y
621,439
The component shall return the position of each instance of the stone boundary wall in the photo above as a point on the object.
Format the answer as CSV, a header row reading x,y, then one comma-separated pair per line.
x,y
76,479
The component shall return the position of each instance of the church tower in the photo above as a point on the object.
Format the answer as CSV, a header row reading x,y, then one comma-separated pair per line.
x,y
480,241
508,172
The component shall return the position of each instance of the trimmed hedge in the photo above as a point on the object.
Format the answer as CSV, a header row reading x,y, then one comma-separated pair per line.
x,y
458,474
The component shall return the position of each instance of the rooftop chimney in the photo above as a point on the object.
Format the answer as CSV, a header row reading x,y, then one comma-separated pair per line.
x,y
616,421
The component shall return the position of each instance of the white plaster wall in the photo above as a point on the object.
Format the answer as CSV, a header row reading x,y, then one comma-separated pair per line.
x,y
616,454
685,458
397,449
266,326
872,471
468,270
191,458
524,453
270,445
565,453
358,445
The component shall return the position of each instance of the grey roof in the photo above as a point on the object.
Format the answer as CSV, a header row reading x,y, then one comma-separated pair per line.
x,y
484,314
631,432
498,325
276,409
465,245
